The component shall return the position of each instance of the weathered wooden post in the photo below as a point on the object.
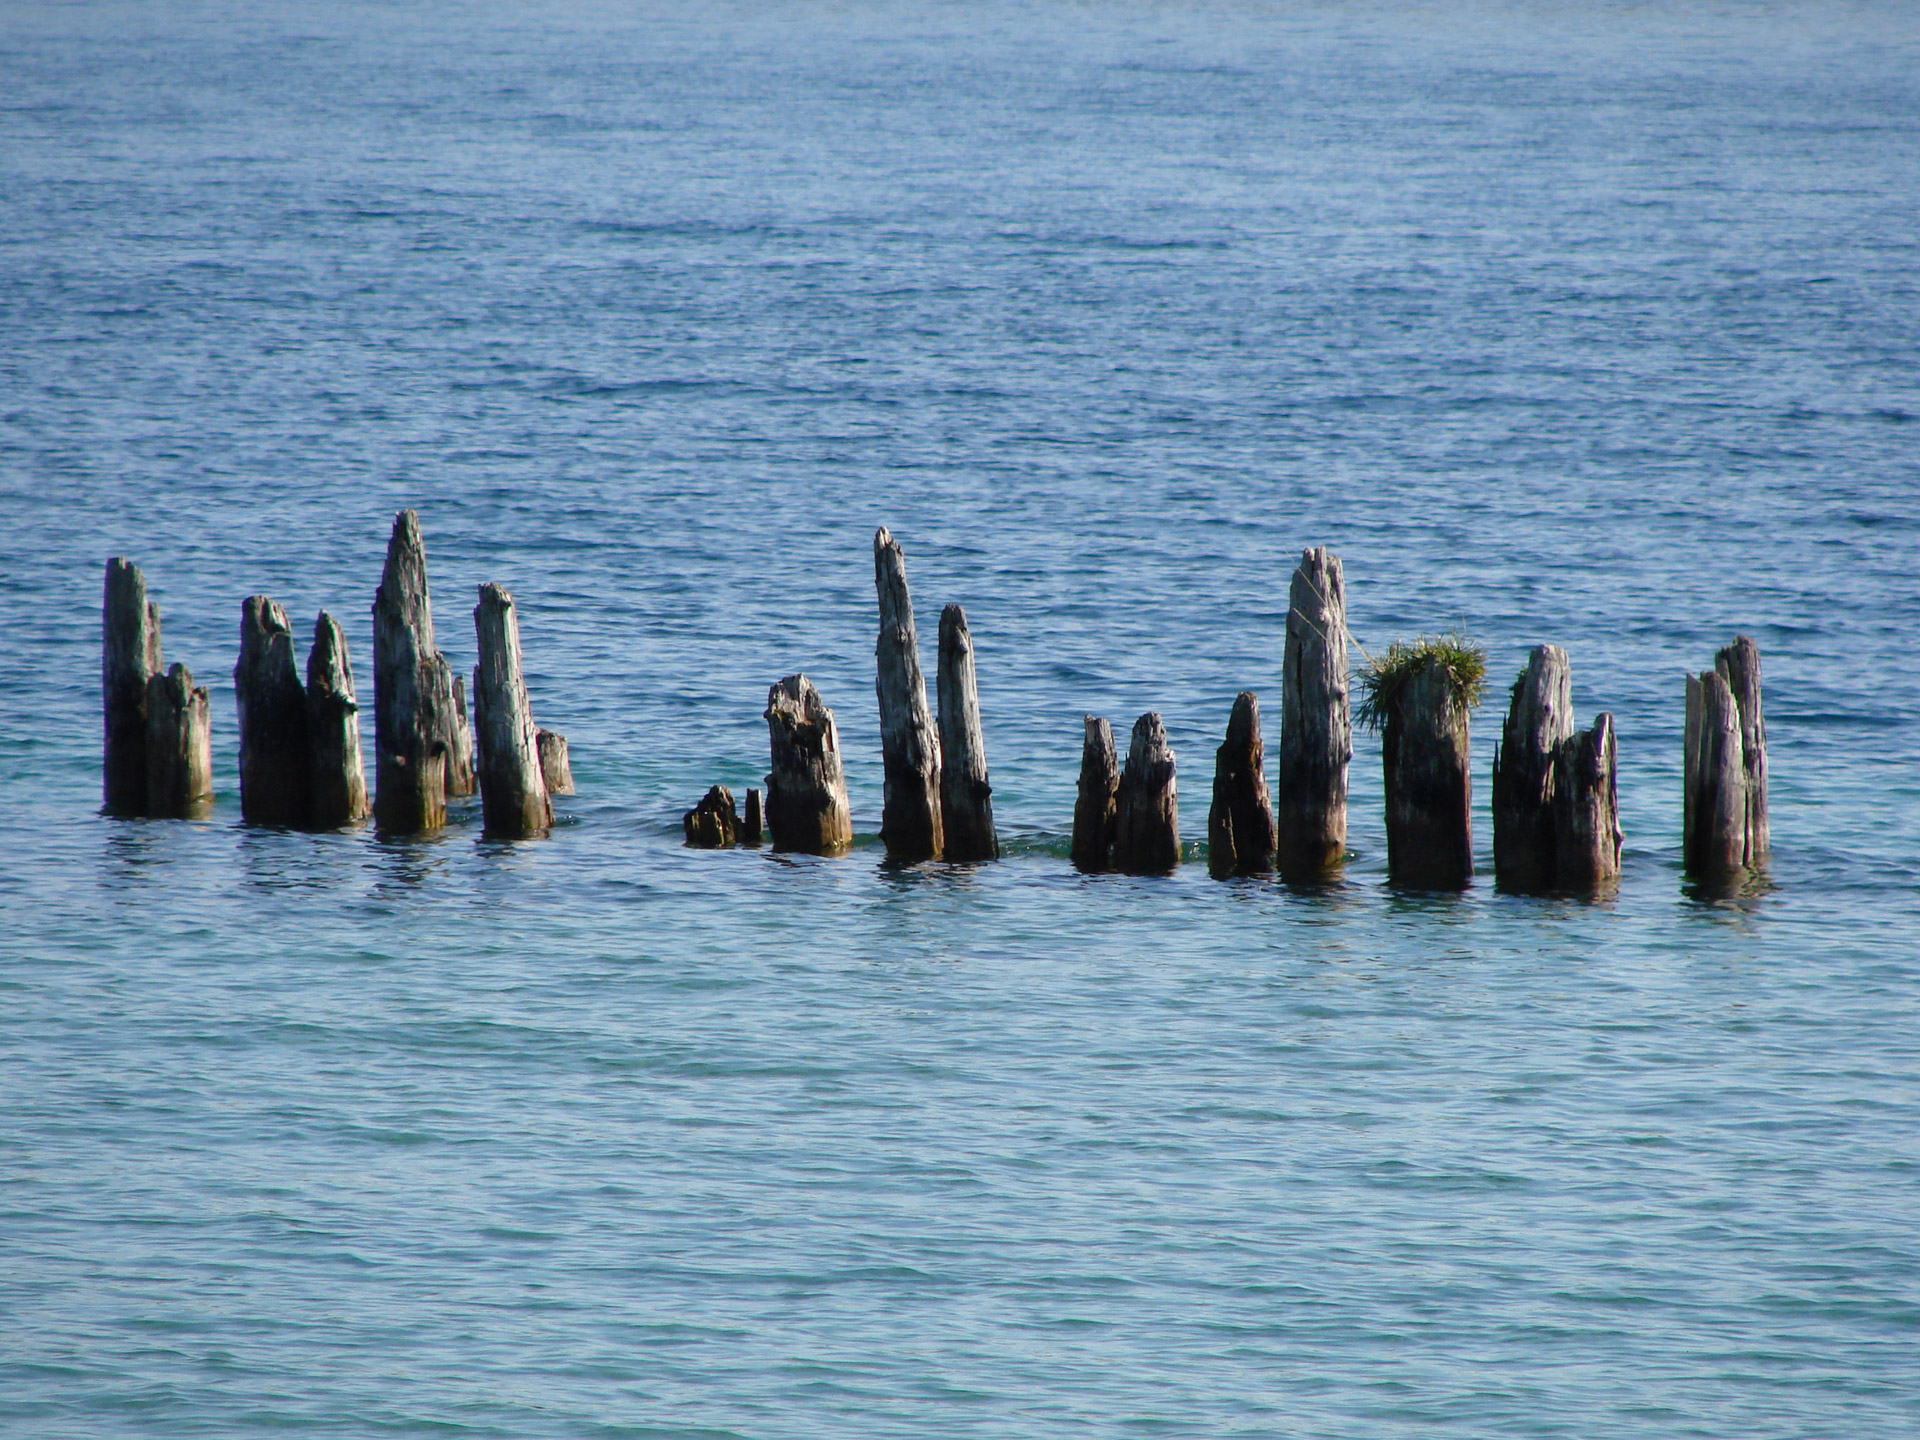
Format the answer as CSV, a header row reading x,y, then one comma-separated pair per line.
x,y
463,772
750,829
513,793
1098,798
412,729
966,797
1420,696
339,793
807,807
276,755
1539,721
179,747
129,657
1715,838
555,768
1586,810
1740,664
1146,820
909,744
1316,729
713,824
1240,827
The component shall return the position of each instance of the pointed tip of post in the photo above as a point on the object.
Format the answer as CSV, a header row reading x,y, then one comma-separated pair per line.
x,y
494,596
883,540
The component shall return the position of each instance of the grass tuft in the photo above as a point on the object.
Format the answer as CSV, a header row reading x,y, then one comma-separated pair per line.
x,y
1384,676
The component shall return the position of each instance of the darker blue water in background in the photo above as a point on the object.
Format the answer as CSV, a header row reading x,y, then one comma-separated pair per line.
x,y
1587,325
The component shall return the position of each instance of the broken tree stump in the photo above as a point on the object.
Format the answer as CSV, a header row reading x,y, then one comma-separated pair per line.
x,y
1146,821
713,824
909,744
1316,726
339,790
412,729
129,657
1714,837
179,747
1426,749
276,757
1240,826
966,797
555,768
513,793
1539,721
1586,810
750,829
1093,808
807,807
1740,664
463,771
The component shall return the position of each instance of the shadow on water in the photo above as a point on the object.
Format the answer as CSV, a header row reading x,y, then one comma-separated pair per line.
x,y
404,863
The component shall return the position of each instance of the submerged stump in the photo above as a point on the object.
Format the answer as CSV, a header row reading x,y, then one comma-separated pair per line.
x,y
339,793
909,743
713,824
179,746
129,658
966,797
276,754
1240,825
1146,822
413,727
1426,749
1094,806
750,829
1316,726
1715,810
807,808
1740,664
1586,811
513,792
1539,721
555,768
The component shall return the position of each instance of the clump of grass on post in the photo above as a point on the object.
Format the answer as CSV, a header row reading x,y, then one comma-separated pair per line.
x,y
1419,696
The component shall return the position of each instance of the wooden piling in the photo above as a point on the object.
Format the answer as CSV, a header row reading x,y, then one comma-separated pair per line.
x,y
276,757
339,792
1426,750
1715,820
1240,824
1098,798
412,729
179,747
751,829
463,770
1539,721
966,797
807,808
1316,727
1586,811
1146,822
713,824
555,768
909,743
1740,664
129,657
513,793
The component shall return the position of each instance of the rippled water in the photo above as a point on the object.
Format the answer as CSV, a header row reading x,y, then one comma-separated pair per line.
x,y
1587,325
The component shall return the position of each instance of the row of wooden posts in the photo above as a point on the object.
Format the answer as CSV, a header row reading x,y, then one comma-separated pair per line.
x,y
1555,809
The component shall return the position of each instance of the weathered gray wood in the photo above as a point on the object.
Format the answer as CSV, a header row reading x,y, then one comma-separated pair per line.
x,y
1740,664
1539,721
966,797
1715,838
751,829
179,747
1093,809
807,807
276,755
555,766
339,793
713,824
1426,752
513,792
1316,724
1146,820
129,657
1586,811
412,729
1240,825
463,771
909,744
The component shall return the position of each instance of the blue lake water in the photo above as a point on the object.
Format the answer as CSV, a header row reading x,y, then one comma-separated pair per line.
x,y
1594,325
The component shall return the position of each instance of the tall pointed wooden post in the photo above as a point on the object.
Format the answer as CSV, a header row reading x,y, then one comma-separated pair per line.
x,y
276,758
412,692
909,743
807,807
179,746
1316,727
1740,664
1539,721
1586,811
1240,827
1098,798
1146,822
1715,779
1426,751
339,794
129,657
966,796
513,792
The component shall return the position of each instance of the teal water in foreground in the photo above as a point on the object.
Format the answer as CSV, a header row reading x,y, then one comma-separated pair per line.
x,y
1594,326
